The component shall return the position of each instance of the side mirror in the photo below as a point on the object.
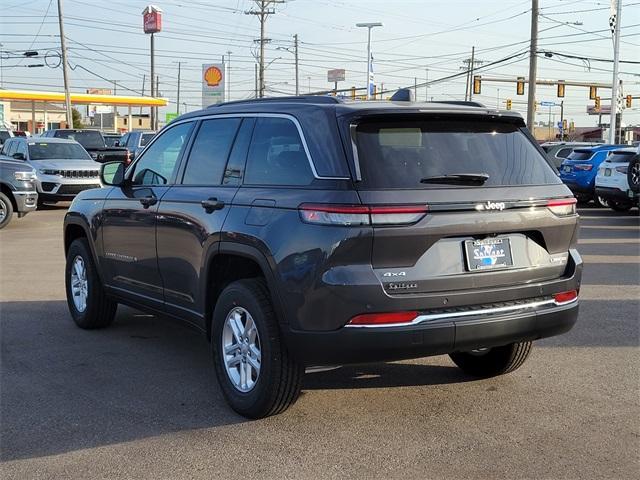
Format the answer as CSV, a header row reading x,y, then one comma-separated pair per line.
x,y
19,156
112,174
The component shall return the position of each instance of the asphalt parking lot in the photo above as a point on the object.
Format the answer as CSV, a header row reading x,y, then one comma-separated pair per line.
x,y
140,400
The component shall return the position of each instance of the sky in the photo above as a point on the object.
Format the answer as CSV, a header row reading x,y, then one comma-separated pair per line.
x,y
419,40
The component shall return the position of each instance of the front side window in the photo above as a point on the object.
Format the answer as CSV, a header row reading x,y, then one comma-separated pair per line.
x,y
277,155
157,165
430,153
21,148
209,152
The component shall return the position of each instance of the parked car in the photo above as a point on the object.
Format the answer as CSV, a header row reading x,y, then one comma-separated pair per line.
x,y
17,190
307,231
578,171
5,135
63,167
611,181
633,176
558,151
136,141
93,142
111,139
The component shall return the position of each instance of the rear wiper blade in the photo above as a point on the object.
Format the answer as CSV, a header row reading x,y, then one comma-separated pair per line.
x,y
457,179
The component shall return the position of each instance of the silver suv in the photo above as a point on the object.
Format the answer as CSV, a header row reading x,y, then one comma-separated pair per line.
x,y
63,167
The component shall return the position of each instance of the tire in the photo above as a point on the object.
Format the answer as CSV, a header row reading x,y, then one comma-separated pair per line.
x,y
99,310
600,202
633,174
6,210
494,361
583,199
277,383
620,206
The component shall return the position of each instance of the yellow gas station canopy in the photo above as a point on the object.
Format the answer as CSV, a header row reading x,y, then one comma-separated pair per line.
x,y
82,98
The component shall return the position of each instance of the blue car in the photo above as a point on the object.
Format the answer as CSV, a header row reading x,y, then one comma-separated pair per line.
x,y
578,171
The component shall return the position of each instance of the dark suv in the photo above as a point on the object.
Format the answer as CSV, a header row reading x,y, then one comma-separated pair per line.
x,y
309,231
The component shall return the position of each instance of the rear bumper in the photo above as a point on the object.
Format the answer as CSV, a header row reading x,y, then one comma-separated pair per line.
x,y
356,345
438,331
579,188
609,193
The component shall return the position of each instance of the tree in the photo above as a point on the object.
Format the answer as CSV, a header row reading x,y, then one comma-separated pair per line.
x,y
77,118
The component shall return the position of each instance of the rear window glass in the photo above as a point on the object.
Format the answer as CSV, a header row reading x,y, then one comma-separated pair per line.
x,y
620,157
580,155
87,138
399,154
564,152
57,151
146,138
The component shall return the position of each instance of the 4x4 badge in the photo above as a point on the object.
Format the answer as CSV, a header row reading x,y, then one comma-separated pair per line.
x,y
394,274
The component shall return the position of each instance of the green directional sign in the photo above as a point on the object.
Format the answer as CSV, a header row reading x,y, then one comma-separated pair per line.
x,y
170,117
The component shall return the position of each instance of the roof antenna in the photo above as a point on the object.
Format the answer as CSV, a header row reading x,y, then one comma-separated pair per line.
x,y
403,95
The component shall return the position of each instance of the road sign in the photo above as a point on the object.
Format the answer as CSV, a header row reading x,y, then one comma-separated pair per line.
x,y
335,75
212,84
548,104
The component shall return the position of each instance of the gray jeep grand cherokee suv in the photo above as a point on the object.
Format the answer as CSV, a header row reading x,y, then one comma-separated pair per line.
x,y
308,231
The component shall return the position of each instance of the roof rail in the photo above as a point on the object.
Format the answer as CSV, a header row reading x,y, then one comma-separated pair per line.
x,y
323,99
462,102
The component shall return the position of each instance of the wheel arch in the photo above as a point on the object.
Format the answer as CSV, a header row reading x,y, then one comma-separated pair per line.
x,y
4,188
74,229
231,262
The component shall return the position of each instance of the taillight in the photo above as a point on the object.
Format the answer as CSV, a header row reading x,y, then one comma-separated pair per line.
x,y
378,319
128,160
583,166
347,215
622,169
562,207
563,298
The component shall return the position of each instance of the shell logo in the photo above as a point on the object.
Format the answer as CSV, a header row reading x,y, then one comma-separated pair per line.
x,y
213,76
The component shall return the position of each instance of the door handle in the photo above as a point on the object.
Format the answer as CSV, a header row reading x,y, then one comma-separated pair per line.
x,y
212,204
148,201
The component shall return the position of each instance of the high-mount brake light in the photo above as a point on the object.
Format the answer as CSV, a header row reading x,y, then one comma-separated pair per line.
x,y
347,215
562,207
383,318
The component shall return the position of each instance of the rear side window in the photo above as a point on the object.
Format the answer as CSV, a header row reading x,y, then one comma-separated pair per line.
x,y
580,155
399,154
210,150
277,155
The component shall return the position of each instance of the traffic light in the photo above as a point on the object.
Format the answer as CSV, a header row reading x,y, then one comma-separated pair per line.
x,y
597,104
628,101
560,88
509,104
593,93
477,84
564,125
520,86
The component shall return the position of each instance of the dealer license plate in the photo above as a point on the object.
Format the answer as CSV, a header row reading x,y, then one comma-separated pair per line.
x,y
488,254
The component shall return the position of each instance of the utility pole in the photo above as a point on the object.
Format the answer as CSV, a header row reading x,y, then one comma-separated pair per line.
x,y
469,65
255,72
616,83
473,59
65,67
262,13
228,75
562,120
144,78
426,84
153,76
370,84
415,88
533,66
295,49
178,94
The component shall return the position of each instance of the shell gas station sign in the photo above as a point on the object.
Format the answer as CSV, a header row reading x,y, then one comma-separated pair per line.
x,y
213,80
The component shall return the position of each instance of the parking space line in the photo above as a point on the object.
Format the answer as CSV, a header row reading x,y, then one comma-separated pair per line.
x,y
607,293
611,259
612,227
587,241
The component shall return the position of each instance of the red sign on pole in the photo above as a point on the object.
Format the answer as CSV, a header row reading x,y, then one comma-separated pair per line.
x,y
152,19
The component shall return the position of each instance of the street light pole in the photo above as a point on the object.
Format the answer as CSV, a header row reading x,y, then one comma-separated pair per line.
x,y
178,95
615,84
369,26
65,68
295,46
533,66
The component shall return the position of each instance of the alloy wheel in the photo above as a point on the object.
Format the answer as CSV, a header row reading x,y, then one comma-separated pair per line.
x,y
79,284
241,354
3,211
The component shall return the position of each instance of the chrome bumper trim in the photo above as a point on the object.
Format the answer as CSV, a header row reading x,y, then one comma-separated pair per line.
x,y
470,314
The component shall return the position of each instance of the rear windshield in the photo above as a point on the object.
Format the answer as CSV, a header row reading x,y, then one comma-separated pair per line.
x,y
580,155
146,138
110,141
620,157
50,151
399,154
87,138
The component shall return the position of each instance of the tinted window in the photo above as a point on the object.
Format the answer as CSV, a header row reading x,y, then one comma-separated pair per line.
x,y
580,155
124,140
209,152
564,152
276,155
111,140
146,138
399,154
5,147
620,157
159,161
21,147
86,138
12,147
235,166
4,135
48,151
